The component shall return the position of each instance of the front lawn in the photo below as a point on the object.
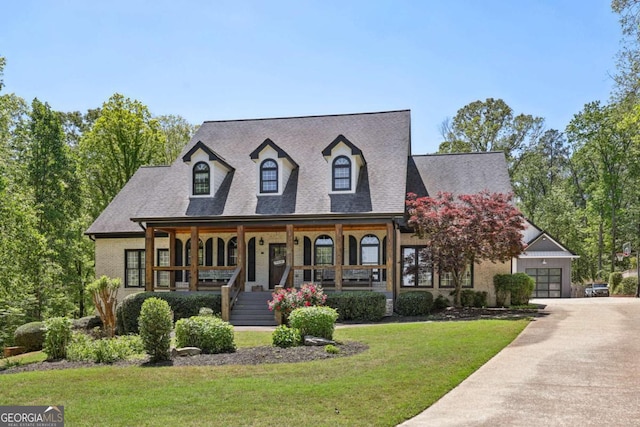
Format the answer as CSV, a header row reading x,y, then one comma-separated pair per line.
x,y
407,368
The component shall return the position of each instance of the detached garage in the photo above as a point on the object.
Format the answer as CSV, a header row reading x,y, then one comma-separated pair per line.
x,y
548,262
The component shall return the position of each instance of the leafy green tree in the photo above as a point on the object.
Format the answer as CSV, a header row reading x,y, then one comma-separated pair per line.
x,y
122,139
177,133
490,125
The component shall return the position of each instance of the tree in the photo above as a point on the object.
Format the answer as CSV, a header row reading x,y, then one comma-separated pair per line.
x,y
122,139
177,132
467,229
490,126
628,62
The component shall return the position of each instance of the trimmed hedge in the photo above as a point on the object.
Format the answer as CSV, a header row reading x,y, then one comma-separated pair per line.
x,y
414,303
183,305
471,298
155,328
359,306
627,286
314,321
518,285
31,336
210,334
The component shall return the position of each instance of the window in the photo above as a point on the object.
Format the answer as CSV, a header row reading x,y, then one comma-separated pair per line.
x,y
232,251
548,282
370,253
446,279
200,252
341,174
162,277
323,252
201,178
269,176
134,268
416,271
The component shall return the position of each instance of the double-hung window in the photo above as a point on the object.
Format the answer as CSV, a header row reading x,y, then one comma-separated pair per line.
x,y
134,275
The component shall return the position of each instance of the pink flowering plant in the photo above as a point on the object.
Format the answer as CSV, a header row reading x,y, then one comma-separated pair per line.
x,y
288,299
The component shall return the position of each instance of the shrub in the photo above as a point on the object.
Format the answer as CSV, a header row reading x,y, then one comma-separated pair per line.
x,y
331,349
627,286
314,321
518,285
288,299
57,336
205,311
30,336
285,336
208,333
104,292
360,306
106,350
414,303
480,299
615,279
183,305
155,328
441,303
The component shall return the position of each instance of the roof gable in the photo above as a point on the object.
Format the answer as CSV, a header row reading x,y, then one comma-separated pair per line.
x,y
255,154
213,156
355,151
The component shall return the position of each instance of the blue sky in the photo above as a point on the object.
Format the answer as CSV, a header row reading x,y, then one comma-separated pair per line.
x,y
218,60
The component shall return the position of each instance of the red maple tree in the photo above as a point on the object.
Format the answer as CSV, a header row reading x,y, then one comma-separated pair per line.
x,y
466,229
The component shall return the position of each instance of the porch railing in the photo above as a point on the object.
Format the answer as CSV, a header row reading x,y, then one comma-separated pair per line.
x,y
210,278
353,276
230,293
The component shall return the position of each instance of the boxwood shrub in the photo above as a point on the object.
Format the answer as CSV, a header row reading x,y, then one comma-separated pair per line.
x,y
518,285
210,334
359,306
183,305
155,328
414,303
30,335
285,336
315,321
471,298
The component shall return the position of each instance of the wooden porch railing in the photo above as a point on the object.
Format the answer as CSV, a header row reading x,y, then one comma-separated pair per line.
x,y
353,276
213,277
285,275
230,293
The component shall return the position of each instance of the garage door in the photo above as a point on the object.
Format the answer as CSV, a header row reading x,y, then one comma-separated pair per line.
x,y
548,282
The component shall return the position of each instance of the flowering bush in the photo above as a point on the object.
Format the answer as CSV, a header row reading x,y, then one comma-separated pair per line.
x,y
287,300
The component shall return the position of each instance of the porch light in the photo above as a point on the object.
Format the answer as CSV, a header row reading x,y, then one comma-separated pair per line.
x,y
544,261
261,241
295,241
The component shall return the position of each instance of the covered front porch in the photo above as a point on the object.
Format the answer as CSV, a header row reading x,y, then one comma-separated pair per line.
x,y
339,256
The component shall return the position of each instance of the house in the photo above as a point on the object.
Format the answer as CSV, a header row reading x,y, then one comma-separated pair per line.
x,y
286,201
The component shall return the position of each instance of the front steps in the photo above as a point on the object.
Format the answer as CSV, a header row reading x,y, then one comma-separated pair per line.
x,y
251,310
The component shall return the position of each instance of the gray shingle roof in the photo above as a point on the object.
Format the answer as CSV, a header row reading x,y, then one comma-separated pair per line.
x,y
465,173
384,138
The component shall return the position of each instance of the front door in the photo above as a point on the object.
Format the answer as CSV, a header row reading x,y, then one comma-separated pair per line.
x,y
277,262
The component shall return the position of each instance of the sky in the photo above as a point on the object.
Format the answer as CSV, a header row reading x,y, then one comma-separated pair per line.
x,y
225,60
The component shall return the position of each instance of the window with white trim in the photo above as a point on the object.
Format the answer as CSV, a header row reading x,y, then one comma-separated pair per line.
x,y
269,176
341,174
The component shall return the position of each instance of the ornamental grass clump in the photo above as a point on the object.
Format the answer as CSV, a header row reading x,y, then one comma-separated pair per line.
x,y
155,328
210,334
314,321
288,299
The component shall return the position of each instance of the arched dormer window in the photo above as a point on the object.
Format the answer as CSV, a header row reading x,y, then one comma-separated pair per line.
x,y
269,176
201,179
341,174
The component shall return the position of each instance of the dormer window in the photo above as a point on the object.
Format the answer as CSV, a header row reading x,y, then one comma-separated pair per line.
x,y
342,174
201,179
269,176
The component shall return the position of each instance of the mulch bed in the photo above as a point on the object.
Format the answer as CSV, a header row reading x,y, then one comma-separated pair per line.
x,y
269,354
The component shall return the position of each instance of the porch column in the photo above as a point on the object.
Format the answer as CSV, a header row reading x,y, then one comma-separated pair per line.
x,y
149,250
390,251
193,266
339,256
172,258
241,255
289,259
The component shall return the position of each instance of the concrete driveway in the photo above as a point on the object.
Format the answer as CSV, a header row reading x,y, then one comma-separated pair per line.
x,y
578,366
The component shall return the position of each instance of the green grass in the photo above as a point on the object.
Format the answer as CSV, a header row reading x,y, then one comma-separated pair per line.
x,y
23,359
406,369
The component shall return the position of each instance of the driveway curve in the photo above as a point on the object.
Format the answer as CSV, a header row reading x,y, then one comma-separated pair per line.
x,y
577,366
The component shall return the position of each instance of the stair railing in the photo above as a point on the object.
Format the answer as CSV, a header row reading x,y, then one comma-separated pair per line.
x,y
230,293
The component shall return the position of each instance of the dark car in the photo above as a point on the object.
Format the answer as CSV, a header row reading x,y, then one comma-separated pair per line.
x,y
600,290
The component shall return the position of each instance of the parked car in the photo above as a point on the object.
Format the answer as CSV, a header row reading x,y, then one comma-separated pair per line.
x,y
597,290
